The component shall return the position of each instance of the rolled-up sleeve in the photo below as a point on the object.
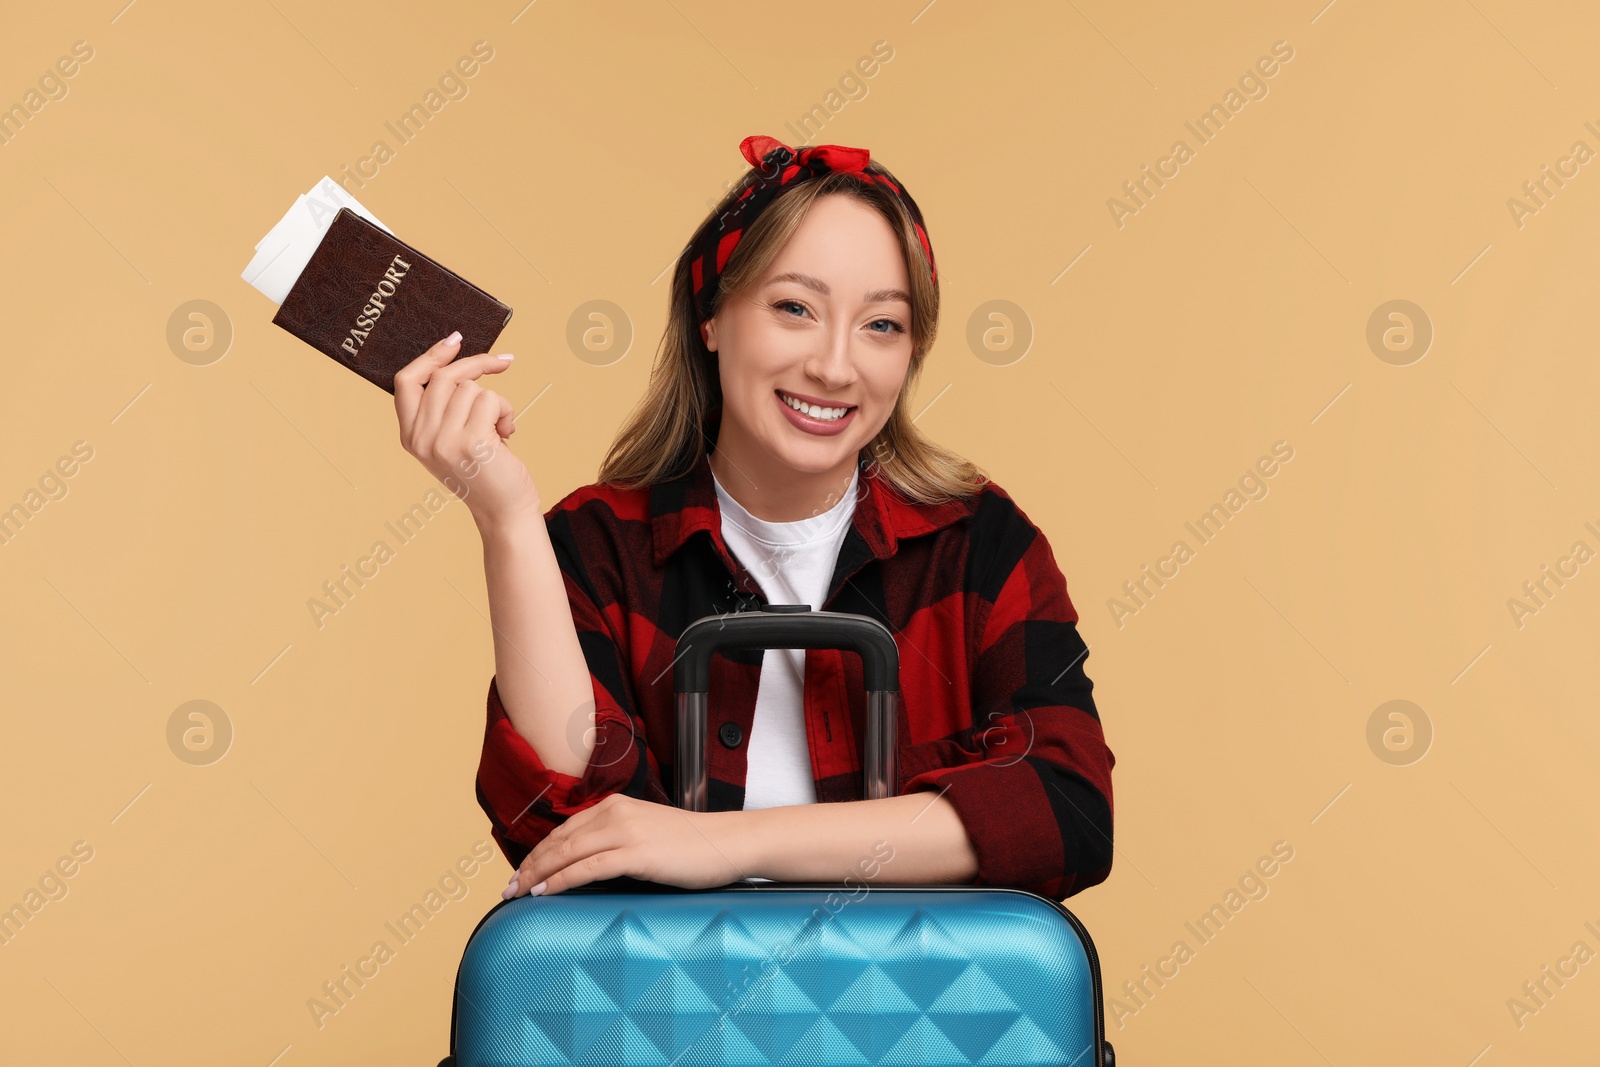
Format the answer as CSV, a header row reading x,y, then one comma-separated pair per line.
x,y
1036,802
524,798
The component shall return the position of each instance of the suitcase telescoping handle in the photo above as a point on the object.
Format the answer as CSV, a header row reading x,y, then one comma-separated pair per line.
x,y
786,626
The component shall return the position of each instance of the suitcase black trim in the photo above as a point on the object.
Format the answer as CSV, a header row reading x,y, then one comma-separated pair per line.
x,y
1106,1056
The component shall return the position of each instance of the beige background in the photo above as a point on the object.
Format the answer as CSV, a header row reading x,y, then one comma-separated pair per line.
x,y
1230,312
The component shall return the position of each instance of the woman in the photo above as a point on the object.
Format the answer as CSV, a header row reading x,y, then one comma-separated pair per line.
x,y
773,460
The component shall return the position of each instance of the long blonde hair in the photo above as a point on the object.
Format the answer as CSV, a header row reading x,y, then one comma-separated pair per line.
x,y
662,438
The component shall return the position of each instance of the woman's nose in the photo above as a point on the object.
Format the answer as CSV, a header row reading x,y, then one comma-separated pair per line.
x,y
833,363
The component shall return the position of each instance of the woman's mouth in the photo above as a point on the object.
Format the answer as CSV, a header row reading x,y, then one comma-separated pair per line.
x,y
821,419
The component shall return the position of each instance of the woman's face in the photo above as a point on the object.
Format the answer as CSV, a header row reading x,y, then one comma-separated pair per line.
x,y
828,325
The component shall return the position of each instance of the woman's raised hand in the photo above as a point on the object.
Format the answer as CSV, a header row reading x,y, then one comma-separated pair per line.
x,y
458,429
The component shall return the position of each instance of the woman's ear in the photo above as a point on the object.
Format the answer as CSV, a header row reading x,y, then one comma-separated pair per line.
x,y
708,334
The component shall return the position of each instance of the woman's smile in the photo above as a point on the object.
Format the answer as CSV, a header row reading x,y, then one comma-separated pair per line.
x,y
815,418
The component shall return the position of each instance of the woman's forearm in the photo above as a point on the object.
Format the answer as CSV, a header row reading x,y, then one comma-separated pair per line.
x,y
540,669
916,838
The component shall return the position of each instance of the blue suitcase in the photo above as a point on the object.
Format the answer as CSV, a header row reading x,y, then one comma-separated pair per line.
x,y
627,973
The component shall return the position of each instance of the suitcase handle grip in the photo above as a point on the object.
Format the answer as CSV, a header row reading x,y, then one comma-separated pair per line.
x,y
786,626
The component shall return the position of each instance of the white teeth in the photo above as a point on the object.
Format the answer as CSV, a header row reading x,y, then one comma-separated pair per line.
x,y
822,414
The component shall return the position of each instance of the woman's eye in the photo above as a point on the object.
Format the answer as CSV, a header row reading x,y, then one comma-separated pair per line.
x,y
893,326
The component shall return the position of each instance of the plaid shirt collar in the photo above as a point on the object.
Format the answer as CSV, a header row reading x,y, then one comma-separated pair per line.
x,y
883,516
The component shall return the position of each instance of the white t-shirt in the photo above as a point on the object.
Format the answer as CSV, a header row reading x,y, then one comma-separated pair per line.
x,y
792,562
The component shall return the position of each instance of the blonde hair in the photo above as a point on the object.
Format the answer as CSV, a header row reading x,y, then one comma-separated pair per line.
x,y
662,438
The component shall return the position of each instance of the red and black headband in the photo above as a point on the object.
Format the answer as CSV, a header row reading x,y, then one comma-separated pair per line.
x,y
779,167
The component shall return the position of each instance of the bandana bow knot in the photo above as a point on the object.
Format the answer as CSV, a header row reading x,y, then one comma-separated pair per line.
x,y
769,153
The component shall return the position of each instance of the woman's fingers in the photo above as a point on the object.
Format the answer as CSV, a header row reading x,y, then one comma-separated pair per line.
x,y
455,426
468,436
409,380
514,887
506,422
488,421
453,416
593,868
491,411
546,862
442,387
596,868
578,840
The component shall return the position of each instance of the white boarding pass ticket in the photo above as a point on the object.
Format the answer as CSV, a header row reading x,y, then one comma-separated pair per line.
x,y
286,249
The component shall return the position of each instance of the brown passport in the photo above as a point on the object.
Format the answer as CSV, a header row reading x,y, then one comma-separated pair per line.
x,y
374,303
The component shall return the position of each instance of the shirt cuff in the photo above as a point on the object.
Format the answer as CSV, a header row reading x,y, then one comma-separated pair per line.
x,y
519,789
1016,827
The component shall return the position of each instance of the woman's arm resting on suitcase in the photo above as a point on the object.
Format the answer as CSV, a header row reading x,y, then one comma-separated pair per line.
x,y
916,837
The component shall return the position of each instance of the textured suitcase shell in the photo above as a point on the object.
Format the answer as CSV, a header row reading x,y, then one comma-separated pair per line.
x,y
822,975
627,973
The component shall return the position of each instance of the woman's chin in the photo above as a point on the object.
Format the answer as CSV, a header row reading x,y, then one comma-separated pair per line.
x,y
815,455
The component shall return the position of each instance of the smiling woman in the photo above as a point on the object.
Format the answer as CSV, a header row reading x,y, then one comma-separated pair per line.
x,y
773,460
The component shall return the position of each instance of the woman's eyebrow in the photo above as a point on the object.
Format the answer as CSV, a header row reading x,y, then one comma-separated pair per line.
x,y
811,282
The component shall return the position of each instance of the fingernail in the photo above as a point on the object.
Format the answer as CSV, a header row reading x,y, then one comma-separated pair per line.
x,y
514,876
507,356
509,891
454,338
536,890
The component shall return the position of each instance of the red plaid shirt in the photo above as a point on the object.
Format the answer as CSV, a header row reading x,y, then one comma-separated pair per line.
x,y
995,708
